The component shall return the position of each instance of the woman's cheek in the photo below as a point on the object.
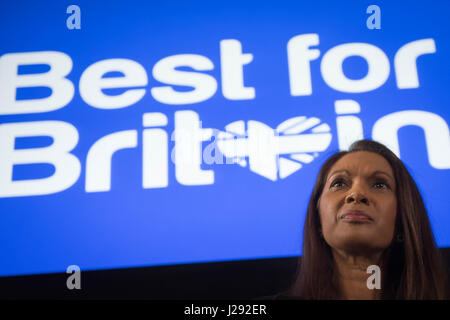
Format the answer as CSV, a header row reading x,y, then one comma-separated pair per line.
x,y
328,211
331,208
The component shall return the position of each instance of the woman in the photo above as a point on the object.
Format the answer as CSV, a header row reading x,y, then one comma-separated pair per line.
x,y
366,210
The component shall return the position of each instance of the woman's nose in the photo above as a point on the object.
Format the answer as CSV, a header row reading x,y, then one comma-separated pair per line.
x,y
357,197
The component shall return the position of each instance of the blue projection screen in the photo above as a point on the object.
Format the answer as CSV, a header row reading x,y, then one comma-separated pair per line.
x,y
144,133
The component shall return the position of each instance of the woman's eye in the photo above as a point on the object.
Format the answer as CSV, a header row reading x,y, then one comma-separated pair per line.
x,y
338,183
381,185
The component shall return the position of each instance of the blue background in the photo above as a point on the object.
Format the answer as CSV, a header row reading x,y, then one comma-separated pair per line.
x,y
242,215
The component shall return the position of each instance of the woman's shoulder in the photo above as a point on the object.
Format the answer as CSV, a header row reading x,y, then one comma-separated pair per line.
x,y
278,296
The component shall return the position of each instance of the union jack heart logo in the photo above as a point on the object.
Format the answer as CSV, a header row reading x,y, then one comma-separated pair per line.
x,y
274,153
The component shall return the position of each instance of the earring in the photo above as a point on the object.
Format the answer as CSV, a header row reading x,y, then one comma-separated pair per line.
x,y
399,238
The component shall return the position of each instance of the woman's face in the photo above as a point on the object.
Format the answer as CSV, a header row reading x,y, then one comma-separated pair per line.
x,y
363,183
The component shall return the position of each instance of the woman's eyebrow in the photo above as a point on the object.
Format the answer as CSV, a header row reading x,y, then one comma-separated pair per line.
x,y
348,173
382,172
334,172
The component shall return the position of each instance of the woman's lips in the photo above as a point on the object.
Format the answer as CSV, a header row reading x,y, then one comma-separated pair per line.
x,y
356,216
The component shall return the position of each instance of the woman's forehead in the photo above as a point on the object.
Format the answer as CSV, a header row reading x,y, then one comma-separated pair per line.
x,y
362,162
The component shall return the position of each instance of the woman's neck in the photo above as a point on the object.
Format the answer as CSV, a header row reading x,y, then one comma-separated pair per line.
x,y
352,275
